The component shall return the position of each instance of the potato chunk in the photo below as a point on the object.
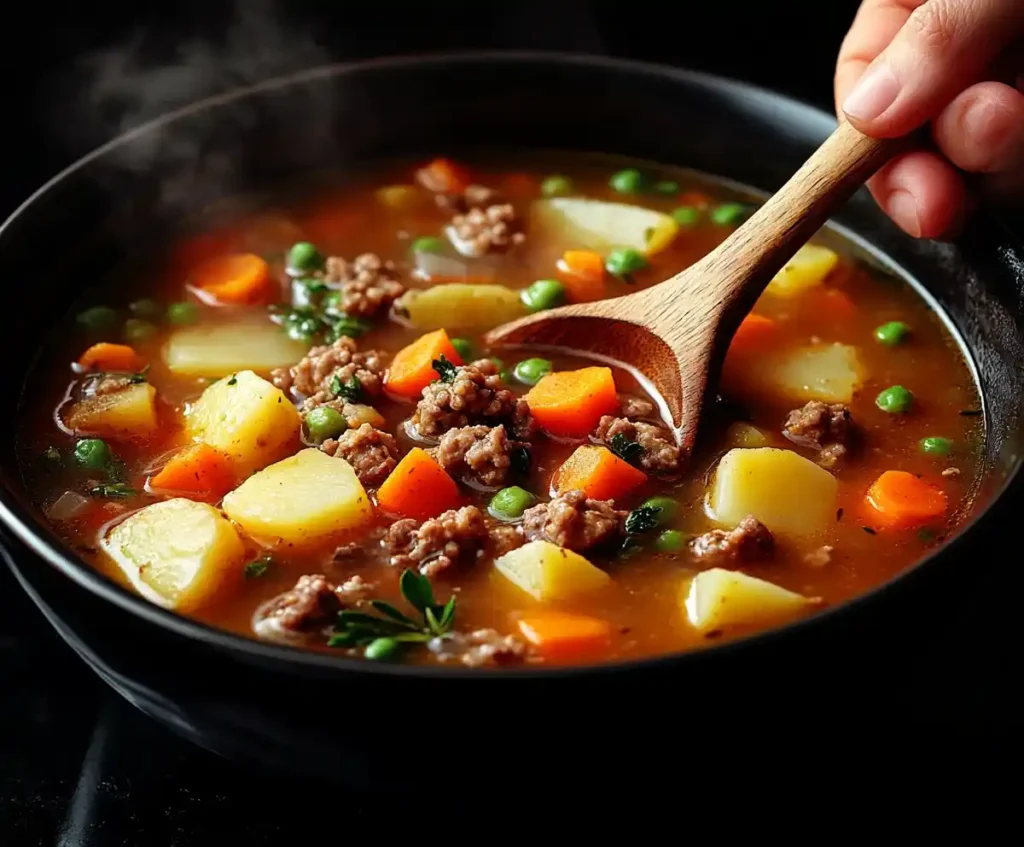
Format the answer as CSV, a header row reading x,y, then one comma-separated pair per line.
x,y
129,413
829,373
178,553
300,500
217,350
549,572
786,492
600,225
247,418
807,269
719,599
461,305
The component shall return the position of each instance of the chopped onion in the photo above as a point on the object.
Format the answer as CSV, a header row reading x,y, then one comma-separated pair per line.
x,y
67,507
430,265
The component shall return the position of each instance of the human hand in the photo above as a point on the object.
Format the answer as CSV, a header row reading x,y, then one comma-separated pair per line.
x,y
957,65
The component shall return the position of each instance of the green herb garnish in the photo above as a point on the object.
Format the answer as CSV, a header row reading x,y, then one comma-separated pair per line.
x,y
626,449
445,369
257,568
115,489
348,390
642,519
233,380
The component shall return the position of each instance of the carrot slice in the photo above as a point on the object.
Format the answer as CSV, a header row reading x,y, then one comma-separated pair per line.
x,y
110,357
598,473
412,369
753,332
443,175
235,278
418,488
570,403
558,635
900,500
582,274
198,469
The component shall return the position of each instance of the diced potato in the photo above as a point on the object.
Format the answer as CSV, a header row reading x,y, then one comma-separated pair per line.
x,y
600,225
745,435
129,413
808,268
549,572
461,305
356,414
215,350
831,373
786,492
178,553
247,418
719,598
300,500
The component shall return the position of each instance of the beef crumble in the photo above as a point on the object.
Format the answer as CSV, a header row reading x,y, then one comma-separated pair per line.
x,y
307,608
484,222
473,197
371,453
660,453
368,285
749,541
825,427
438,543
635,407
478,453
575,522
315,376
478,648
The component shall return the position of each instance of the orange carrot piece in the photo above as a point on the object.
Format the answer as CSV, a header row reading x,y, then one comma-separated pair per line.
x,y
582,274
570,403
412,369
235,278
443,175
110,357
418,488
598,473
834,304
559,635
752,333
900,500
198,469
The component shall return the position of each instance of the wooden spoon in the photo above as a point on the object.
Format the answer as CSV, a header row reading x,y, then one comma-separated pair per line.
x,y
676,333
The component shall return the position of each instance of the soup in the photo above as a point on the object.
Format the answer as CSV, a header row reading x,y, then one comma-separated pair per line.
x,y
287,426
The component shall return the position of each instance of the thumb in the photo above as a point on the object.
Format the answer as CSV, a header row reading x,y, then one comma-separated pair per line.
x,y
944,46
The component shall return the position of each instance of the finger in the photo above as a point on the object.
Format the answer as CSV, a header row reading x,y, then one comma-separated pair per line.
x,y
922,193
982,130
944,46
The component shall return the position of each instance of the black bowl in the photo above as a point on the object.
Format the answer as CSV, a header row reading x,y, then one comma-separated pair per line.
x,y
359,721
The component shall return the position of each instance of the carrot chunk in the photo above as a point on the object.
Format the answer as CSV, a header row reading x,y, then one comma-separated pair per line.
x,y
200,470
443,175
582,274
570,403
561,636
598,473
753,332
110,357
833,304
412,369
900,500
235,278
418,488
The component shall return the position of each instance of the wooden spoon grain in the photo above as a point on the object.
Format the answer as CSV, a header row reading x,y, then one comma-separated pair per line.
x,y
676,333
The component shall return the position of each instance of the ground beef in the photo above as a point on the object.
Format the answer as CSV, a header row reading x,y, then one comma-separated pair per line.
x,y
474,197
314,375
480,453
575,522
817,424
635,407
831,455
504,537
750,541
477,395
492,229
477,648
373,454
307,608
438,543
368,284
661,455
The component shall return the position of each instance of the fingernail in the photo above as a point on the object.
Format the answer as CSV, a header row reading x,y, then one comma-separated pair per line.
x,y
873,94
902,208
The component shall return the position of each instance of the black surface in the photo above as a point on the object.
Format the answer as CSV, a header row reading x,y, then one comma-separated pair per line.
x,y
78,766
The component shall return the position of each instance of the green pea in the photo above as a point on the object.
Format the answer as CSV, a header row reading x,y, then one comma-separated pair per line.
x,y
729,214
146,308
629,181
136,330
180,314
936,445
686,216
543,294
510,503
428,244
324,422
556,186
531,371
304,256
892,333
503,372
667,187
624,261
383,649
896,400
97,318
670,541
668,509
464,347
92,453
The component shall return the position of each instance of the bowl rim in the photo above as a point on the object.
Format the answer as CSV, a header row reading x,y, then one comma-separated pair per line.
x,y
287,658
